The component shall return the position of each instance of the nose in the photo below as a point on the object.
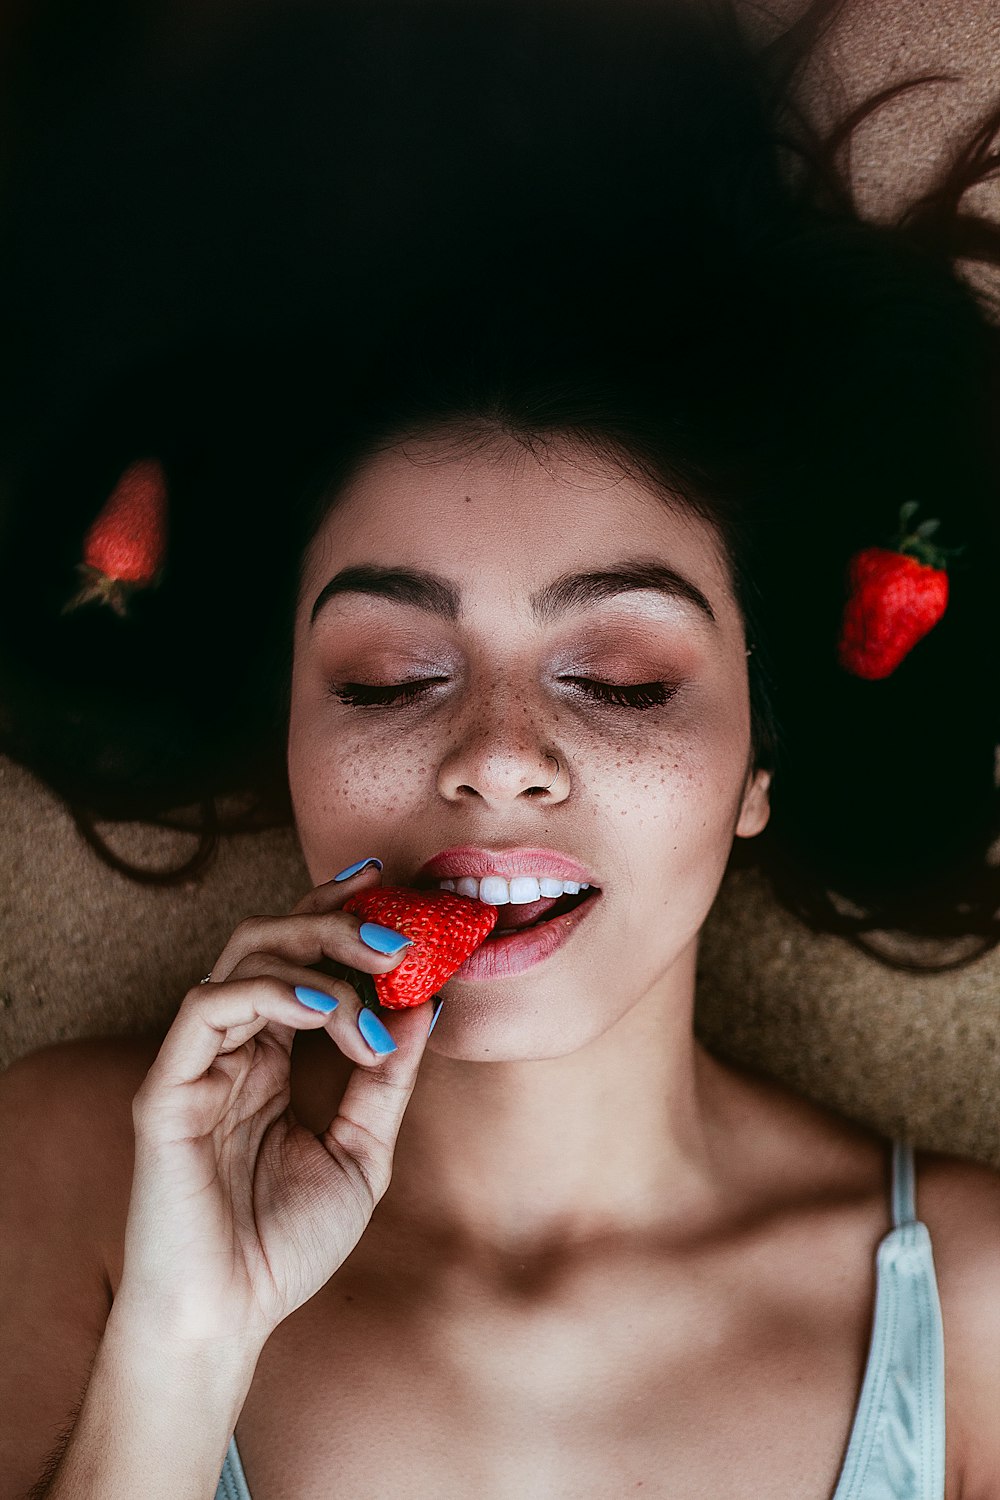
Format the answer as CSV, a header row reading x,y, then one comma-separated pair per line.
x,y
497,774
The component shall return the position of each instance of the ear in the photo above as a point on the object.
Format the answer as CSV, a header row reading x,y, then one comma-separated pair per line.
x,y
755,808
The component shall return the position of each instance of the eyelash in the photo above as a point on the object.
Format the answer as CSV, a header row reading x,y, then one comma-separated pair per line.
x,y
638,696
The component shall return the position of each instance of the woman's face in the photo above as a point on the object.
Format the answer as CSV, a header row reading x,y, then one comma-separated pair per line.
x,y
646,800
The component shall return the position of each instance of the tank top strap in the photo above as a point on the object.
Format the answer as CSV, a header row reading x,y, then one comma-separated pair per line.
x,y
904,1208
897,1442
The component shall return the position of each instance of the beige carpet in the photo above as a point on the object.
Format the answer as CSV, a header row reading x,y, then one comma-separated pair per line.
x,y
85,951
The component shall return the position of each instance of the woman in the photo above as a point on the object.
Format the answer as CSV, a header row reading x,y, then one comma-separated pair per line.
x,y
547,615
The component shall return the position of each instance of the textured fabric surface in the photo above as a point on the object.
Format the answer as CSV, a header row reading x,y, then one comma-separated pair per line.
x,y
85,951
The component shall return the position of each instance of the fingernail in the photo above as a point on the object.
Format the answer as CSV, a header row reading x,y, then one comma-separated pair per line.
x,y
362,864
374,1033
315,999
434,1017
383,939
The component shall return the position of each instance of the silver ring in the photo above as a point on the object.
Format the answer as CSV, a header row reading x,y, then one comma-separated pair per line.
x,y
555,778
207,979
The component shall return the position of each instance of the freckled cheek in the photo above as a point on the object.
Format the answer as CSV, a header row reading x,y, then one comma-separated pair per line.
x,y
358,781
677,822
673,789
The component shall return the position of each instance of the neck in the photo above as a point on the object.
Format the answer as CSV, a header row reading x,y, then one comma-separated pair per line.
x,y
517,1159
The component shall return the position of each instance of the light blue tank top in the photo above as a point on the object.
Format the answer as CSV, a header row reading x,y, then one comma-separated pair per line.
x,y
896,1448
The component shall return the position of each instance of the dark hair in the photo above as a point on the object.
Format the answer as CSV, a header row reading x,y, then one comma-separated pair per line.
x,y
665,288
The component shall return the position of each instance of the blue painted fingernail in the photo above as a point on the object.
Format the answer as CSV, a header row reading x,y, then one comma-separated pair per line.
x,y
374,1033
315,999
362,864
383,939
434,1017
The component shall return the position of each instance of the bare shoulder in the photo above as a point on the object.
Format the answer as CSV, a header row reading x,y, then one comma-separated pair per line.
x,y
959,1201
66,1117
949,1186
82,1081
811,1148
65,1182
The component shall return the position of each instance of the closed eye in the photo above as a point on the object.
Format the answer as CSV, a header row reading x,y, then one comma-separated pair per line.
x,y
632,695
368,695
640,695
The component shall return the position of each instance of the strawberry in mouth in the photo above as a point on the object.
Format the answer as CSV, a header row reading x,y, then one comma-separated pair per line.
x,y
450,932
532,912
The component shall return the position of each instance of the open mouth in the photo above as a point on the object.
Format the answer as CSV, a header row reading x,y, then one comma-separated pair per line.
x,y
511,918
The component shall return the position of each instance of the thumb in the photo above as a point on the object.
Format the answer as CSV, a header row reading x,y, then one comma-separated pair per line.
x,y
371,1111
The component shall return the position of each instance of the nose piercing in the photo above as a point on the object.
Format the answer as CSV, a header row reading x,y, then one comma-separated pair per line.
x,y
556,776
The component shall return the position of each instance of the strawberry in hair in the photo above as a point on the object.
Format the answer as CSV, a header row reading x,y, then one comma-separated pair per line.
x,y
125,546
896,595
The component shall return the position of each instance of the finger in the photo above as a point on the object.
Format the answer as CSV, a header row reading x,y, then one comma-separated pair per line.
x,y
363,1034
322,898
371,1111
333,936
209,1014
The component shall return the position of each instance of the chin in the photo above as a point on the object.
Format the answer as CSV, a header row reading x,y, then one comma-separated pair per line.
x,y
494,1028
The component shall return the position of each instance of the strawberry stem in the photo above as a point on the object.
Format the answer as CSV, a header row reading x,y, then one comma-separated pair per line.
x,y
365,986
359,980
917,543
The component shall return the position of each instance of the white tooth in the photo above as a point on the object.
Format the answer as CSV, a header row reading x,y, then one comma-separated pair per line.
x,y
549,887
571,887
494,891
524,888
446,885
468,885
585,886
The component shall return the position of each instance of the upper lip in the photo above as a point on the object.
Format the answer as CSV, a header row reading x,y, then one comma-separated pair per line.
x,y
467,860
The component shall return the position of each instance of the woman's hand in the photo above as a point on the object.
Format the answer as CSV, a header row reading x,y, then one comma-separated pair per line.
x,y
238,1214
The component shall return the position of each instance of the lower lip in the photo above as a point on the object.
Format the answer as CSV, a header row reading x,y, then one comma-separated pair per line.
x,y
501,957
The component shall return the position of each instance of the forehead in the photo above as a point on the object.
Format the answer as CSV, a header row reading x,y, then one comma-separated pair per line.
x,y
500,516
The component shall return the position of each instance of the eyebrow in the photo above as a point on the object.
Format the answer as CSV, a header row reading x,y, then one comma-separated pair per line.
x,y
572,591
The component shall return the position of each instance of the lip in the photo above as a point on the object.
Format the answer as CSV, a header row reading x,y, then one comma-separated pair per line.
x,y
500,958
468,860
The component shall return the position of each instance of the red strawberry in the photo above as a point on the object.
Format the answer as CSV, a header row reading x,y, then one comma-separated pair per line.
x,y
445,928
124,548
895,597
